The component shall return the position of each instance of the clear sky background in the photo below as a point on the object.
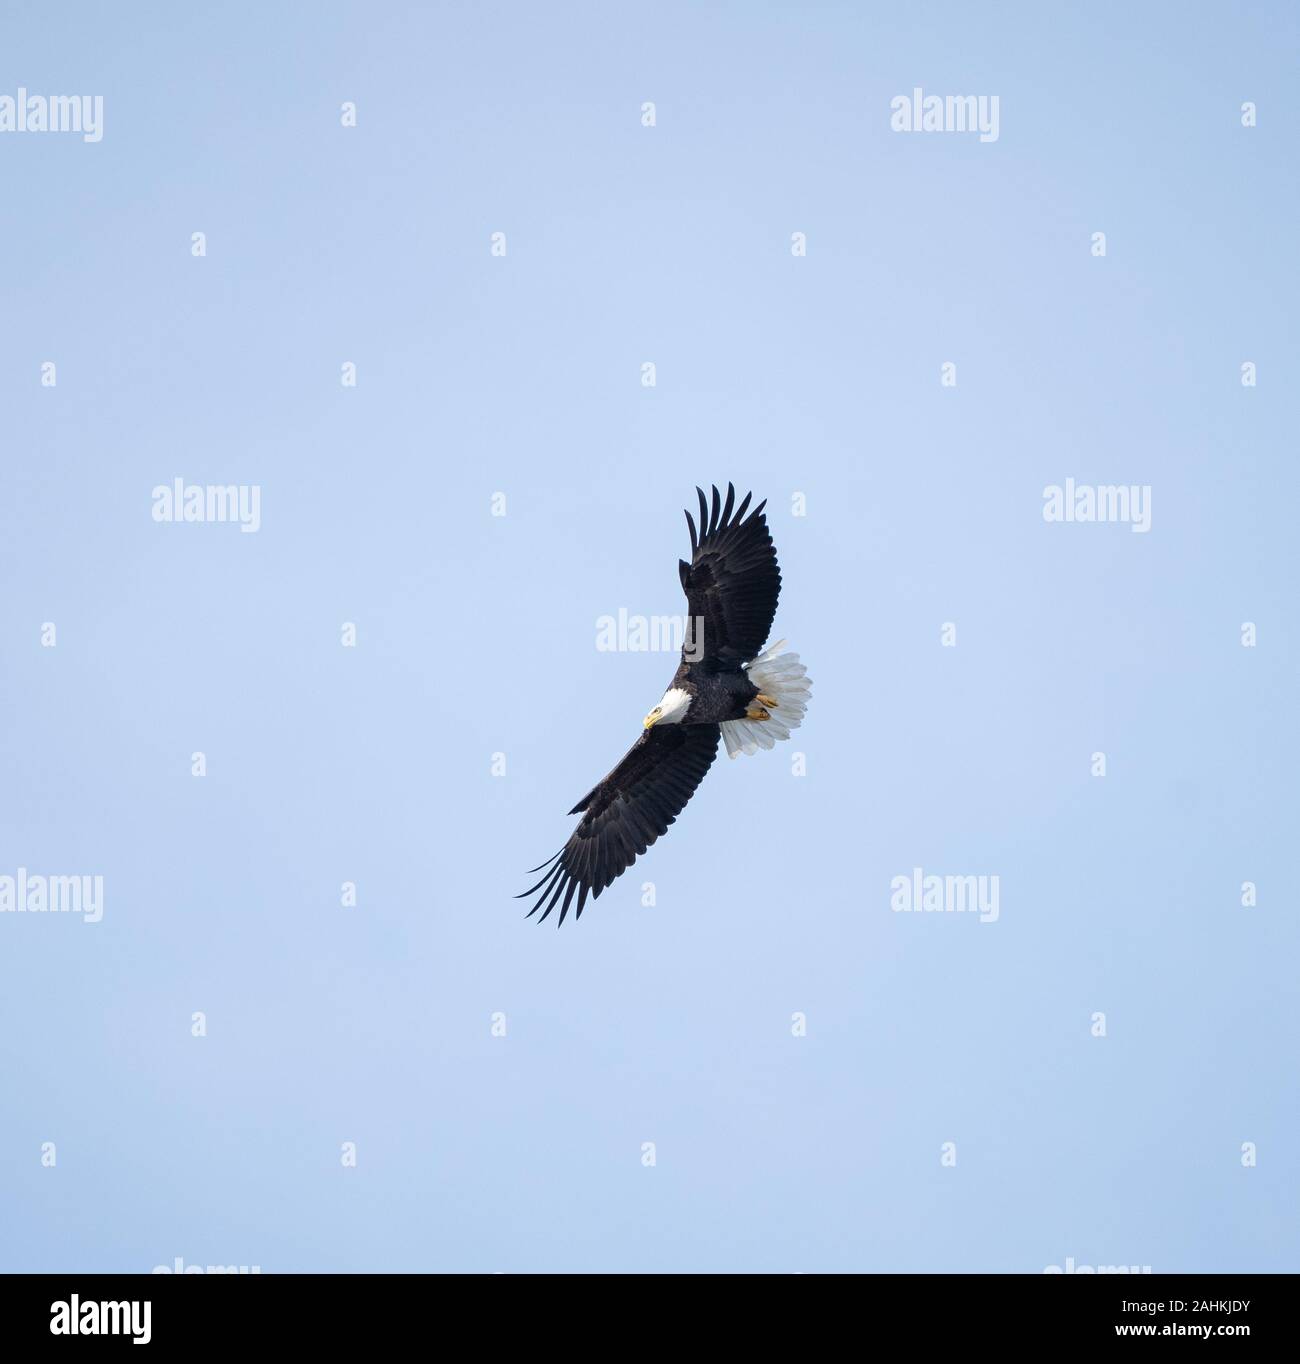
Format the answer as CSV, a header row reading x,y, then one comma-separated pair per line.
x,y
521,375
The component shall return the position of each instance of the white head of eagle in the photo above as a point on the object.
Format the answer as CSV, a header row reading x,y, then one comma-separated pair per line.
x,y
728,687
671,710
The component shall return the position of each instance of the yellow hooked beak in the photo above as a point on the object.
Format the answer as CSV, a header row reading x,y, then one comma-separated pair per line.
x,y
653,718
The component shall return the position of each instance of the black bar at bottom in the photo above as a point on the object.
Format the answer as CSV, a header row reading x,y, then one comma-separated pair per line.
x,y
545,1310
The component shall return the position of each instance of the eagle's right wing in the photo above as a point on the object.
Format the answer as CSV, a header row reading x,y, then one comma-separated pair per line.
x,y
624,814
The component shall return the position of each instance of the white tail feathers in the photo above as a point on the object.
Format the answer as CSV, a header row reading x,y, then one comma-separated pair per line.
x,y
781,676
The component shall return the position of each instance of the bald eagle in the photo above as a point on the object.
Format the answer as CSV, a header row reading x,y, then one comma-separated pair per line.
x,y
728,686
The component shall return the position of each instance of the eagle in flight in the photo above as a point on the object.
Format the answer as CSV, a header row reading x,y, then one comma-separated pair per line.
x,y
728,687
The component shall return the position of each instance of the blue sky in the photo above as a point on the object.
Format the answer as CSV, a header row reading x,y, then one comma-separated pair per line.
x,y
813,380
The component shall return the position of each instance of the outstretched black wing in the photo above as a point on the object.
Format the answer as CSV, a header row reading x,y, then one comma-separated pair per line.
x,y
626,812
732,582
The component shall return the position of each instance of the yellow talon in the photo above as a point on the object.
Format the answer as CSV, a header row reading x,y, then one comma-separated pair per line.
x,y
756,712
764,700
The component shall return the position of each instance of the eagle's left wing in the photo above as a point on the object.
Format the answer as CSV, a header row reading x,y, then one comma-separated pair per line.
x,y
732,581
624,814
